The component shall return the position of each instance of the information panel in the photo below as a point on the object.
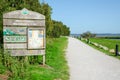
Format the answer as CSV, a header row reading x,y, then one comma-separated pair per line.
x,y
15,37
35,38
24,33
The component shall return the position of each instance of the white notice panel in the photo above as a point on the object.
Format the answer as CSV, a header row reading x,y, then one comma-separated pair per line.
x,y
35,38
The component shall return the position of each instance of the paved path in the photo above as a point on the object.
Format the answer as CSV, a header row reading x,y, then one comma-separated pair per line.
x,y
87,63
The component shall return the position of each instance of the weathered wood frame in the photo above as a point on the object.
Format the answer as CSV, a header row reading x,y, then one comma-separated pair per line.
x,y
31,20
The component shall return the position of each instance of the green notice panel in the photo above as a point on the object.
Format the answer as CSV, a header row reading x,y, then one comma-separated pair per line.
x,y
15,39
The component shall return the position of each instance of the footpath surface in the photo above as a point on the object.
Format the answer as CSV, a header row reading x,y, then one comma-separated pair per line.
x,y
86,63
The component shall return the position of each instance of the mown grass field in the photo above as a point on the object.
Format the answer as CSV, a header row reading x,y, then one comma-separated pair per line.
x,y
110,43
56,67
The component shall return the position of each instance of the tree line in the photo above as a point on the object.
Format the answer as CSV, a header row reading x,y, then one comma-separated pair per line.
x,y
88,35
53,28
18,66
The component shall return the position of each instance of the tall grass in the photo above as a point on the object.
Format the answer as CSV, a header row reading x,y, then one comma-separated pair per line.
x,y
13,67
56,65
31,68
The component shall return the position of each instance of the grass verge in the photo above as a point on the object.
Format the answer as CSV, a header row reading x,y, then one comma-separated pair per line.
x,y
57,68
106,42
110,43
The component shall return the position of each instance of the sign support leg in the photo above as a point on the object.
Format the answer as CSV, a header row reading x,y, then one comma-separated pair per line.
x,y
44,59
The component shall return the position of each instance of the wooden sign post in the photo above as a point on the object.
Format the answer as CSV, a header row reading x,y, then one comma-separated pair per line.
x,y
24,33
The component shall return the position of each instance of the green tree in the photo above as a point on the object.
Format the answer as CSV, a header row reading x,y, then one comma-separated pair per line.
x,y
47,11
59,29
52,27
88,35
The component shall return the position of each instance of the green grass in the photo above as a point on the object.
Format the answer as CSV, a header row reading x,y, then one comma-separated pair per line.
x,y
2,69
55,60
56,67
110,43
105,42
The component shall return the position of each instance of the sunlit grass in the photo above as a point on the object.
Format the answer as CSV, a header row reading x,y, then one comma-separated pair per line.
x,y
56,67
56,64
110,43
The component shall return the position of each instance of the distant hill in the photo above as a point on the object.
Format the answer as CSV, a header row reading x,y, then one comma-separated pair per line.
x,y
100,35
107,35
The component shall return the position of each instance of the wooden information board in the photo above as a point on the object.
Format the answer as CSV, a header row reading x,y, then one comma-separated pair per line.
x,y
24,33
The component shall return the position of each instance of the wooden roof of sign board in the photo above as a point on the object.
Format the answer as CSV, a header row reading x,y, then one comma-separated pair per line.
x,y
23,14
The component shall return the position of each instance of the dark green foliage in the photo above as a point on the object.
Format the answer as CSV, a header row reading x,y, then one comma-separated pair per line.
x,y
17,67
35,5
14,67
47,11
59,29
109,37
88,35
2,69
28,68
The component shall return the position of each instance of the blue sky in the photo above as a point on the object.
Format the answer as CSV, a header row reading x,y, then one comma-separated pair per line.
x,y
97,16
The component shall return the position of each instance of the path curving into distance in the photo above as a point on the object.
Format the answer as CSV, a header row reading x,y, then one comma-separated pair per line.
x,y
86,63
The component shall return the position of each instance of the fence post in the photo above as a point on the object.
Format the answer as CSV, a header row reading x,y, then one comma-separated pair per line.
x,y
87,40
116,50
80,38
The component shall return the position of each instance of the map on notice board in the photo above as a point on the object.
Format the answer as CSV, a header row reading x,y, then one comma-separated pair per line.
x,y
35,38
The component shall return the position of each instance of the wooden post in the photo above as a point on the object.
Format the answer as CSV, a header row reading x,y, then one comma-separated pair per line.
x,y
44,59
3,57
26,59
116,50
88,40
